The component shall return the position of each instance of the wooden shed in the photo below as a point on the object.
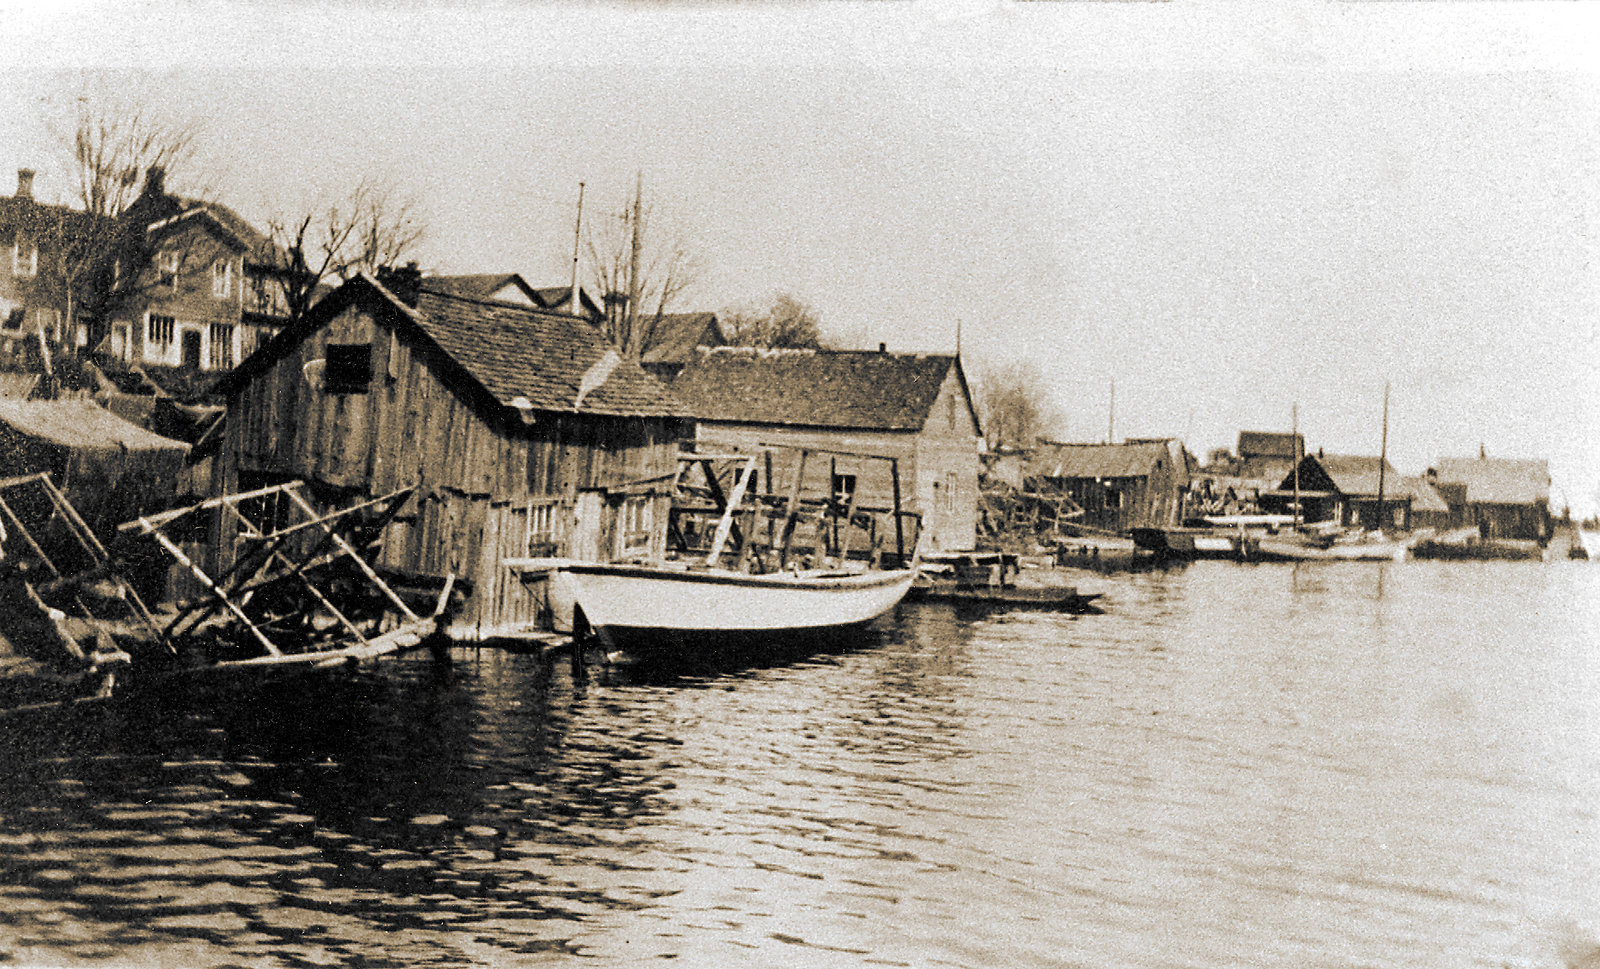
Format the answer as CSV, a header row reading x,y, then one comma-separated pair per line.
x,y
914,408
1135,484
522,431
1352,490
1506,498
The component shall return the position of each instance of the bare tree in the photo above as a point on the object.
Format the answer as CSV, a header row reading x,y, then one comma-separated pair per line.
x,y
641,268
786,322
1015,404
370,227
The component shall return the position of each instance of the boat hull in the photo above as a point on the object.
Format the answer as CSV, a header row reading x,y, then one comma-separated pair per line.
x,y
1268,550
651,611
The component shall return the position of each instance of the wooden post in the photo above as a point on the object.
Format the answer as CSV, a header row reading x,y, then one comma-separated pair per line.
x,y
725,523
787,532
899,531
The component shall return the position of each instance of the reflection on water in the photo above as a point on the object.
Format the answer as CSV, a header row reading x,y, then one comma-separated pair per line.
x,y
1363,764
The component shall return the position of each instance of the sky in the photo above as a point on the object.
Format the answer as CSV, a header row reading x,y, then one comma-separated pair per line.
x,y
1193,218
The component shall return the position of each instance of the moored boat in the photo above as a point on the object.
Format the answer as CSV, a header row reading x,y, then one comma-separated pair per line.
x,y
1366,547
992,580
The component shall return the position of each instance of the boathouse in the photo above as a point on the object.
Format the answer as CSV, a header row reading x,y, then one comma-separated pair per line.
x,y
1346,489
1505,498
522,432
1136,484
915,408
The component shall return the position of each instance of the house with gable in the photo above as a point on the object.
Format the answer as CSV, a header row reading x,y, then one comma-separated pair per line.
x,y
1134,484
34,300
1352,490
184,276
522,432
913,407
676,337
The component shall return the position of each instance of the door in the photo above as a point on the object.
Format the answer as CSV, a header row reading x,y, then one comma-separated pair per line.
x,y
191,349
588,527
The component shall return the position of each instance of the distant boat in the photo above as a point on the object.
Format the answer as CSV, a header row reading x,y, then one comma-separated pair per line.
x,y
1586,544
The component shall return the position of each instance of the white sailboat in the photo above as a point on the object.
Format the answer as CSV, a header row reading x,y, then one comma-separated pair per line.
x,y
678,610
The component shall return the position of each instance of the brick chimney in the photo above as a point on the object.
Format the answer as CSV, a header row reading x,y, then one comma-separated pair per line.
x,y
155,180
405,283
24,183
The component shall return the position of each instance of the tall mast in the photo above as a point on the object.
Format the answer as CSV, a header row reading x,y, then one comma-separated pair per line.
x,y
1383,453
1294,443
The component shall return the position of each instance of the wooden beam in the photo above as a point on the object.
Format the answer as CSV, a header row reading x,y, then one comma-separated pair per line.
x,y
725,523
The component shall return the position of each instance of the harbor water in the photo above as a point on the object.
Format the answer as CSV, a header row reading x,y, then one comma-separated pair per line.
x,y
1361,764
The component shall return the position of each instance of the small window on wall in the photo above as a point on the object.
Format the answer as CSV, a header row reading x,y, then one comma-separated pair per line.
x,y
637,520
844,485
348,369
160,329
222,278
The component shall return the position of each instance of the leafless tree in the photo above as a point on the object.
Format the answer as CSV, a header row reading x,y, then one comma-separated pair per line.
x,y
1015,404
642,268
370,227
786,322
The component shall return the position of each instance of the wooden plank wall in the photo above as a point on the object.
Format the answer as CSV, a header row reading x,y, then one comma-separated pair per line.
x,y
475,465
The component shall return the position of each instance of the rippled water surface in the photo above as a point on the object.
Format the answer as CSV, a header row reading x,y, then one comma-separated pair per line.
x,y
1325,765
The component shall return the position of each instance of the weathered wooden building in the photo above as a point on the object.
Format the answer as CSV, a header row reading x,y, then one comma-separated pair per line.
x,y
1505,498
915,408
1353,490
522,431
1136,484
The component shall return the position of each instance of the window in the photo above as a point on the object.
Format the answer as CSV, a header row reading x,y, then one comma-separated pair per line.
x,y
637,518
167,268
160,329
950,491
222,278
541,528
348,369
222,346
24,259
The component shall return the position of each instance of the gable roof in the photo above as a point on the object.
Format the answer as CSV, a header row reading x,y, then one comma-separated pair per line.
x,y
1350,474
80,424
816,388
676,335
1269,444
481,285
1498,481
1424,497
522,357
1055,459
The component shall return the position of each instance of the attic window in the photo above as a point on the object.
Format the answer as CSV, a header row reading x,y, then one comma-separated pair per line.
x,y
348,369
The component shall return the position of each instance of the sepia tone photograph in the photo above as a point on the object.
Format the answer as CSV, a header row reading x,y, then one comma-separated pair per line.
x,y
941,483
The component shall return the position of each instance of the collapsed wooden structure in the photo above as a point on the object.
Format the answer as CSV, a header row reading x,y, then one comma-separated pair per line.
x,y
299,589
1038,514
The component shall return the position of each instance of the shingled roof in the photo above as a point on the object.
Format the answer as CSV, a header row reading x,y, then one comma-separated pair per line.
x,y
479,285
814,388
1350,474
1057,460
522,357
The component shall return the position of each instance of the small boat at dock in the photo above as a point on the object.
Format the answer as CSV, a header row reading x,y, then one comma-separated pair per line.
x,y
993,580
684,610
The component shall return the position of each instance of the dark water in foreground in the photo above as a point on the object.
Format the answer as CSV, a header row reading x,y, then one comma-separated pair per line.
x,y
1325,765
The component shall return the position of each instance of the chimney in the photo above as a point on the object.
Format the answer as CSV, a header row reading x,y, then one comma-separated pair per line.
x,y
616,310
24,183
155,180
883,348
405,283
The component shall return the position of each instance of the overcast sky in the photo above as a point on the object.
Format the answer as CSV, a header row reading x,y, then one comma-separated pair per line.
x,y
1224,208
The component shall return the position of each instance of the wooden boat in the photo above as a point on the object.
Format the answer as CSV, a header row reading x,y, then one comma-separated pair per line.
x,y
992,580
681,611
1185,543
1371,547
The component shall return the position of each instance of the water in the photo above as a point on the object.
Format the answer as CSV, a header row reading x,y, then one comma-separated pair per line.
x,y
1324,765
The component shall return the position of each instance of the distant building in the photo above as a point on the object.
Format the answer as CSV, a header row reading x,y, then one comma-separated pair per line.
x,y
674,339
1505,498
1349,489
1266,455
35,240
1136,484
522,431
913,407
512,288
